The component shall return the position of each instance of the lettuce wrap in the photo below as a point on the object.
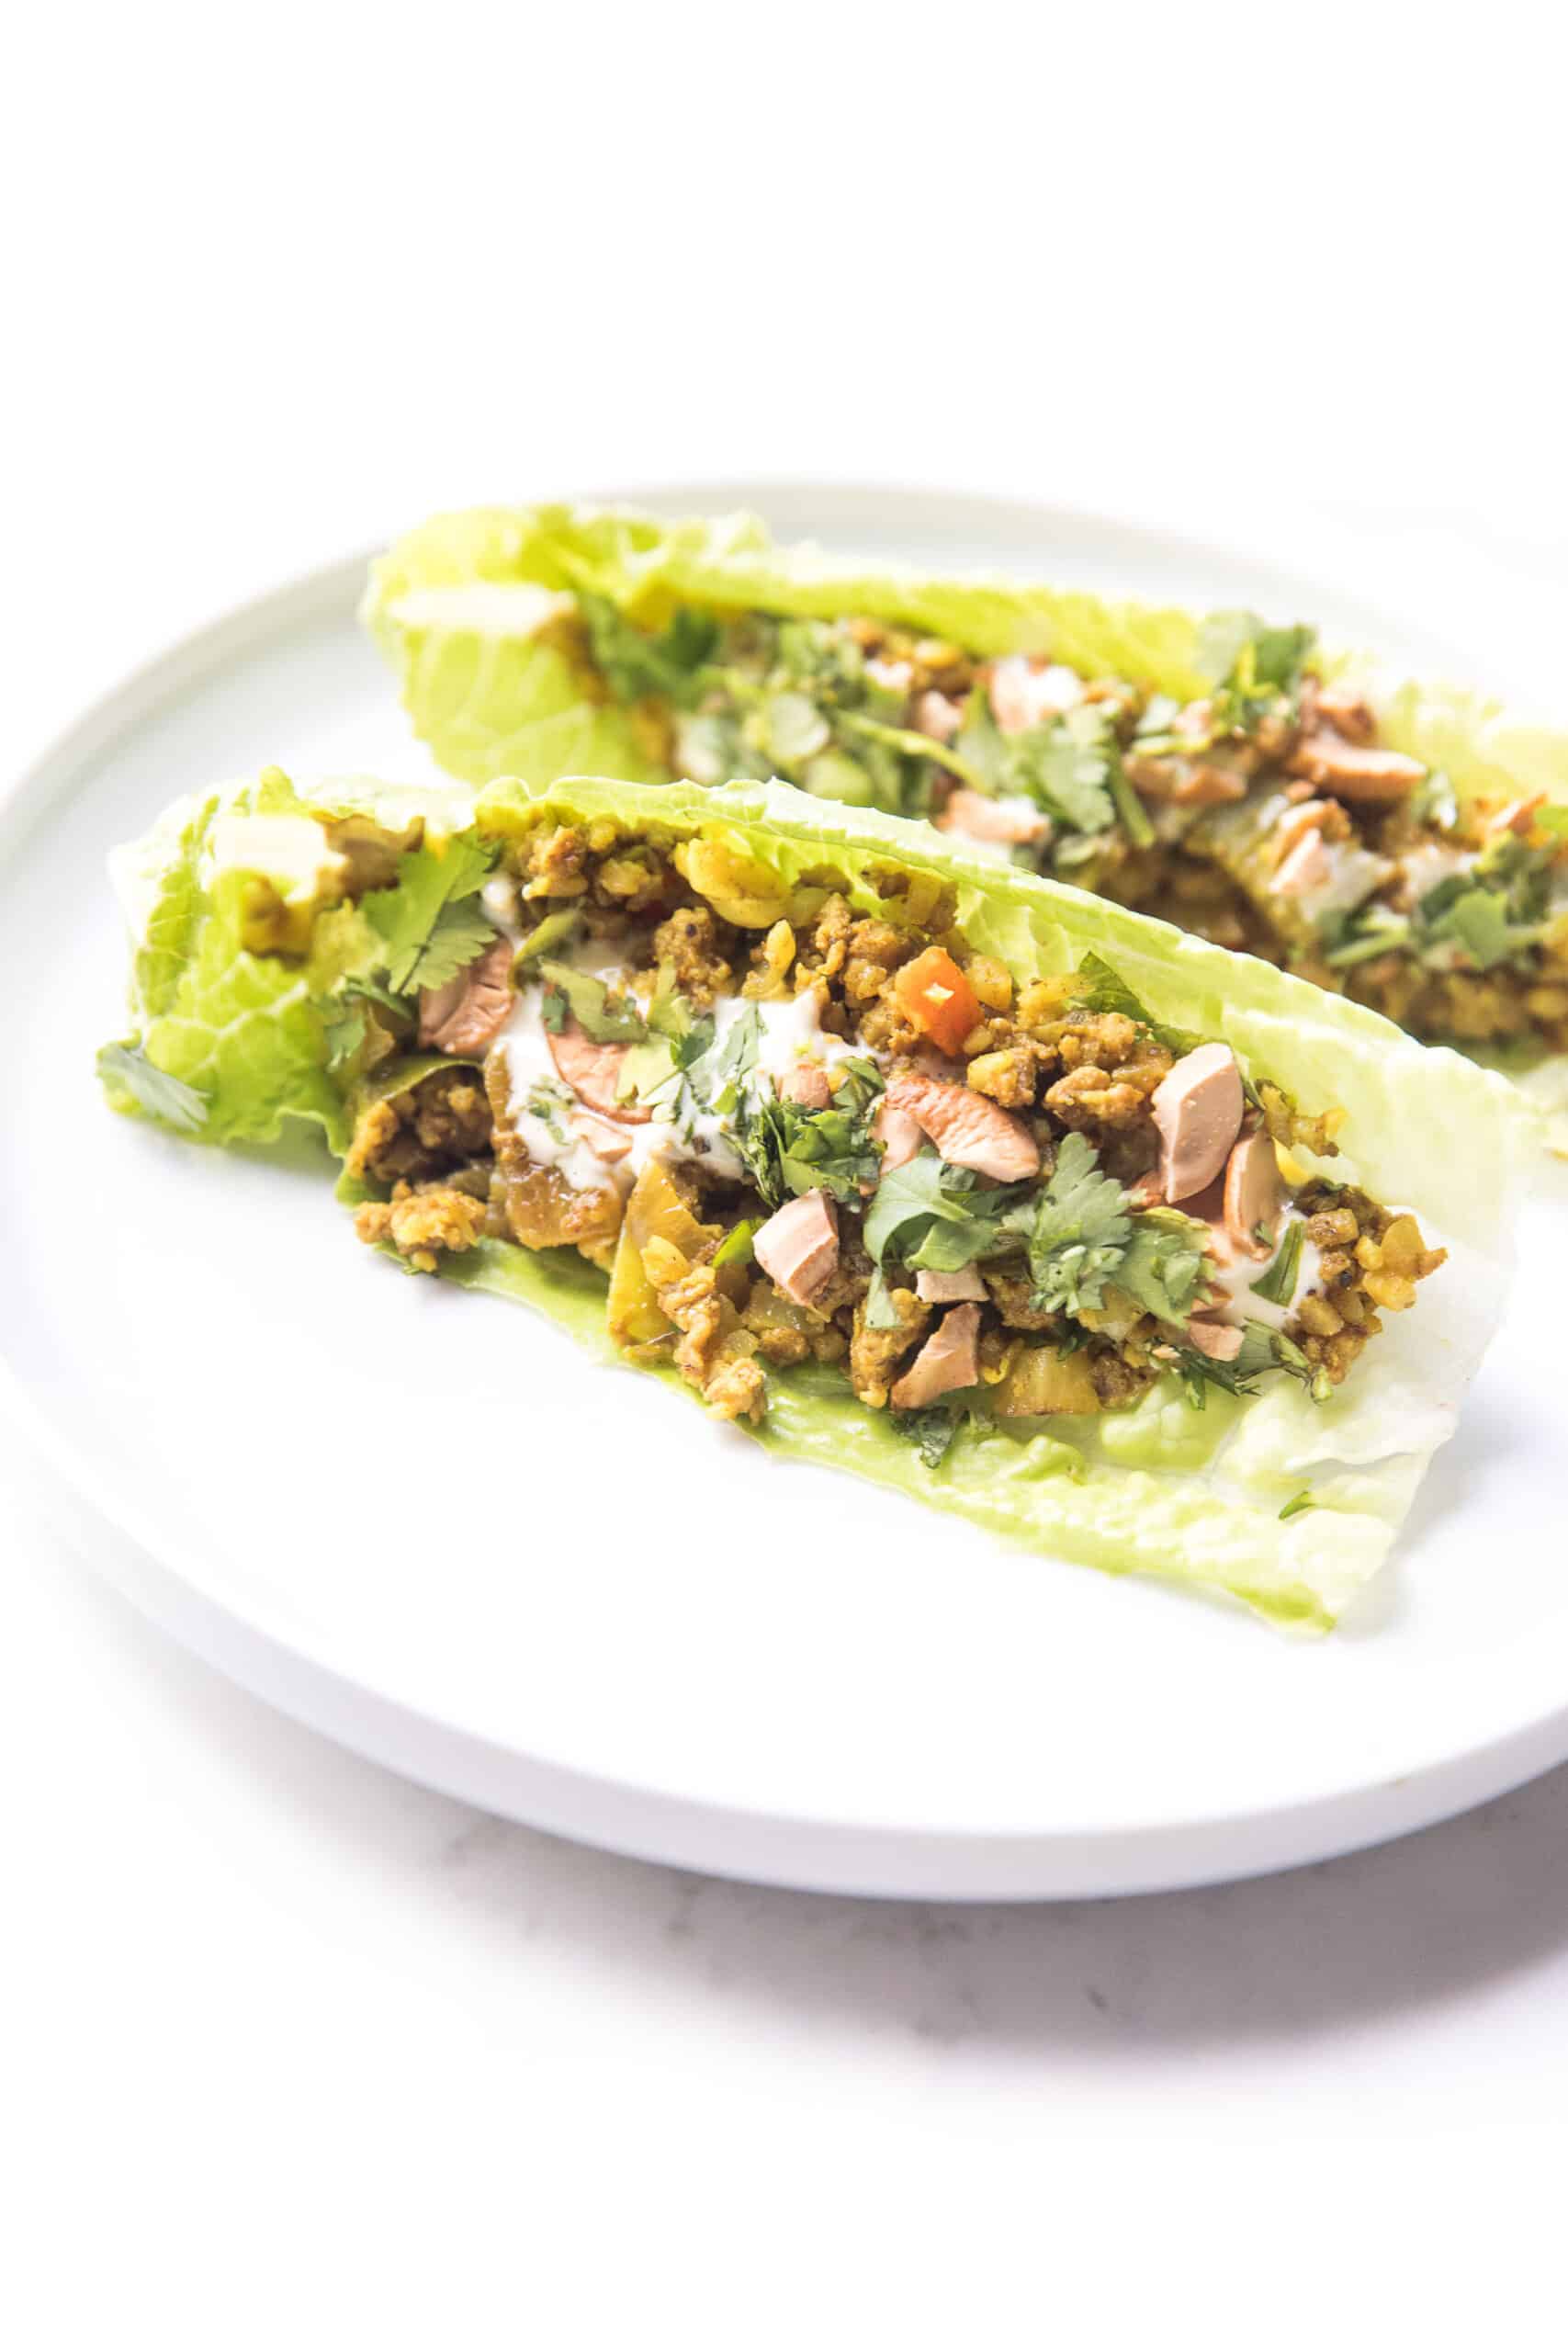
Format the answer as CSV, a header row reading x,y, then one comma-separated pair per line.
x,y
1147,1255
1405,843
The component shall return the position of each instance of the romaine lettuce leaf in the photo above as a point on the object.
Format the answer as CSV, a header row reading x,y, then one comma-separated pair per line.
x,y
1195,1496
487,579
458,604
243,1031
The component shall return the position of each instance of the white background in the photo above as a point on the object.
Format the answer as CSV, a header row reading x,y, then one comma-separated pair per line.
x,y
293,2054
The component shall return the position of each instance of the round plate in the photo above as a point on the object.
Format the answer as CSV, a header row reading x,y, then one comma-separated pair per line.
x,y
422,1521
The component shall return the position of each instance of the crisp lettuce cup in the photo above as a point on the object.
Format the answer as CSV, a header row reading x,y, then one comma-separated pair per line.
x,y
263,919
474,610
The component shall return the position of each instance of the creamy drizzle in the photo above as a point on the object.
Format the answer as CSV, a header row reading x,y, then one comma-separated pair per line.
x,y
790,1032
1239,1302
534,1080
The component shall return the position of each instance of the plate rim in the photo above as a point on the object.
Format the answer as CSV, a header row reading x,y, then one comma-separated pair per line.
x,y
683,1827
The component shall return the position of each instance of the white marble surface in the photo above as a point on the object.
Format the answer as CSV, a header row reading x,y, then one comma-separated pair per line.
x,y
292,2052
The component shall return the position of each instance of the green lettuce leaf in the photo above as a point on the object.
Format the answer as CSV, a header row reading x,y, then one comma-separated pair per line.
x,y
459,605
489,579
250,1035
1191,1497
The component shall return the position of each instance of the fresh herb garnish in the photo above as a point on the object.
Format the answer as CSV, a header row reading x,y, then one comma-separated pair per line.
x,y
1435,802
343,1029
1254,668
1479,922
930,1214
1099,988
1068,765
608,1020
737,1248
1277,1285
1078,1232
881,1315
428,925
554,931
635,663
727,1068
345,1019
911,745
1262,1350
788,1150
1298,1503
161,1095
551,1106
1349,940
981,745
1166,1265
1065,765
1137,822
931,1430
1236,1378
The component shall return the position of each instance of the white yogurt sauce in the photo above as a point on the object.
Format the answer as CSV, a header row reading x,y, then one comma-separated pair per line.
x,y
790,1032
533,1078
1346,876
1423,868
1239,1303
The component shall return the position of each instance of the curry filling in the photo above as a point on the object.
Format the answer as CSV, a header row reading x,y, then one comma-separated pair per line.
x,y
829,1136
1265,816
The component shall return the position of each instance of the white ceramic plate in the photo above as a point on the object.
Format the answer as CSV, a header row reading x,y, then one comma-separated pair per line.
x,y
424,1522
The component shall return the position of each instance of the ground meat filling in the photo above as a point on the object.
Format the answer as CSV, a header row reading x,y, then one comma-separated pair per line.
x,y
430,1143
868,1148
1268,815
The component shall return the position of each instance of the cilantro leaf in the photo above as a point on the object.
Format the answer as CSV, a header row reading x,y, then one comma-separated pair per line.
x,y
1164,1268
344,1030
346,1018
1478,922
1357,938
160,1096
1065,765
429,935
1100,989
668,1068
932,1429
726,1070
1078,1233
606,1019
788,1150
1241,653
461,932
634,663
931,1215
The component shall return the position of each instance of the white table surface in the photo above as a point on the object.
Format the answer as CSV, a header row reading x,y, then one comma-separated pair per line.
x,y
295,2053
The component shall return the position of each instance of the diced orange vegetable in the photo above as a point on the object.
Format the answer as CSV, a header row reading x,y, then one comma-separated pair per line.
x,y
936,998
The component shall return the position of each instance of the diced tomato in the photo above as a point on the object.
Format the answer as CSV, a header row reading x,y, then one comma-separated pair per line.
x,y
936,998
